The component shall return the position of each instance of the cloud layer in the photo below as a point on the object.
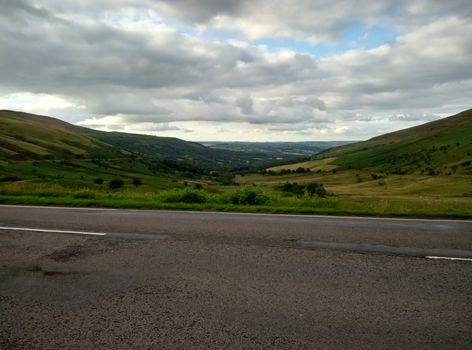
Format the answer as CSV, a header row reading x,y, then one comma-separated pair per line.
x,y
199,70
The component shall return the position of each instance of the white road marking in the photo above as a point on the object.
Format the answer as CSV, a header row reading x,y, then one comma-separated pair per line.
x,y
52,207
52,231
447,258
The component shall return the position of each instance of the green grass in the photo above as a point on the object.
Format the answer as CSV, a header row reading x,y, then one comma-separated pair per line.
x,y
313,165
219,198
51,164
29,136
362,183
440,147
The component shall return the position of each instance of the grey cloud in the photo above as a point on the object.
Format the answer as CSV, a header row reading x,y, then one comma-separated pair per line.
x,y
414,117
303,101
152,126
245,103
159,75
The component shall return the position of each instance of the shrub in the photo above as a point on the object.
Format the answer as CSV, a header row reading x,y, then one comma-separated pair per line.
x,y
137,182
188,195
249,196
314,188
84,195
301,170
294,188
115,184
193,196
98,181
9,179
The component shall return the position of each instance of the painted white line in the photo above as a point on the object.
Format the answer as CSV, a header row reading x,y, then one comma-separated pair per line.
x,y
52,207
447,258
52,231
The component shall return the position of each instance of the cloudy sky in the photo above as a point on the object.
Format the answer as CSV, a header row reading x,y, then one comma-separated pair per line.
x,y
255,70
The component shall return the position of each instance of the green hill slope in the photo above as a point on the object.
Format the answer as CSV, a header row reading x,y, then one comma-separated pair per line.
x,y
44,149
25,136
440,147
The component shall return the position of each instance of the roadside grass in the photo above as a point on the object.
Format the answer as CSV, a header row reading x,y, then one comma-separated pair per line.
x,y
221,198
350,192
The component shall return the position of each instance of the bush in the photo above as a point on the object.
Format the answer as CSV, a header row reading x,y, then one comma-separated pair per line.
x,y
115,184
137,182
187,195
193,196
294,188
249,196
314,188
84,195
98,181
9,179
301,170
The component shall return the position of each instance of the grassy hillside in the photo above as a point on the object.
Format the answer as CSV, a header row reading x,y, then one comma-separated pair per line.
x,y
40,149
26,136
421,171
48,162
440,147
46,150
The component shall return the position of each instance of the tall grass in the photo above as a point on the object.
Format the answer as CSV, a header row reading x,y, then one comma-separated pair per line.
x,y
249,199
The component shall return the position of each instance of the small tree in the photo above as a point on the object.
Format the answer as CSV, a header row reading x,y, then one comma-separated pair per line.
x,y
314,188
294,188
137,182
115,184
98,181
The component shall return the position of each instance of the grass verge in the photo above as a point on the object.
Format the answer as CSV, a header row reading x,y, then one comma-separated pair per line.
x,y
339,206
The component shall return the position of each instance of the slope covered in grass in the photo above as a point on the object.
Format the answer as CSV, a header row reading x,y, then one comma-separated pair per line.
x,y
46,150
25,136
439,147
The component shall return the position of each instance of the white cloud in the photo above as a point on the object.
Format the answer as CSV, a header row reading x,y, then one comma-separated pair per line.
x,y
159,66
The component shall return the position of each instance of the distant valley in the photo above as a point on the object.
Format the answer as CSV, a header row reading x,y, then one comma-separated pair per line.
x,y
279,150
422,171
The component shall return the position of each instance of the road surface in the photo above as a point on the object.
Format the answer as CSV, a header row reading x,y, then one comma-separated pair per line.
x,y
140,279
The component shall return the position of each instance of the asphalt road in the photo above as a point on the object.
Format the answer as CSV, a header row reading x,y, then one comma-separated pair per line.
x,y
140,279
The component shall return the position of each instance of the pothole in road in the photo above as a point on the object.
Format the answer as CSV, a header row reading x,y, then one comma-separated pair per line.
x,y
88,248
67,253
50,273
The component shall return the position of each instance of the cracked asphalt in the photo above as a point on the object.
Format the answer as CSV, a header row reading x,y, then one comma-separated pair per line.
x,y
186,280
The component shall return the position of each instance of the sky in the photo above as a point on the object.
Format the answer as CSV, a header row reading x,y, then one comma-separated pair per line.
x,y
228,70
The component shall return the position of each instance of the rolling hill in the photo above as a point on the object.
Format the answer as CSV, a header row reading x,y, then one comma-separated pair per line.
x,y
439,147
46,150
187,154
42,148
25,136
421,167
